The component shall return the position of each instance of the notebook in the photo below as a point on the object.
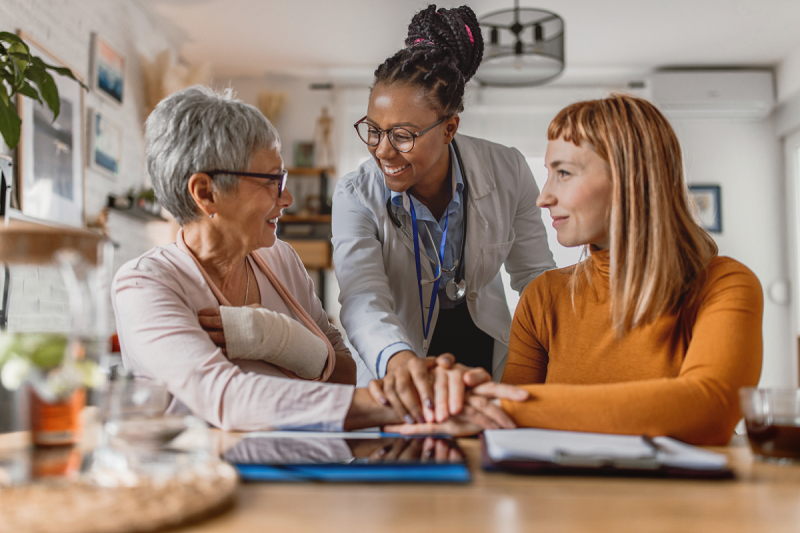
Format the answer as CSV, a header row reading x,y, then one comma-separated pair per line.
x,y
545,451
346,457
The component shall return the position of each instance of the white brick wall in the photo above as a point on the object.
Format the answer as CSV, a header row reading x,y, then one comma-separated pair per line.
x,y
63,28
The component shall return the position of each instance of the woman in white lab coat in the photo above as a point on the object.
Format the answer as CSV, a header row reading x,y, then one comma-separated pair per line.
x,y
468,204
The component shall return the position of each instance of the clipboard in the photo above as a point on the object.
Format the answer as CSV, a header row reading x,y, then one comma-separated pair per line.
x,y
549,452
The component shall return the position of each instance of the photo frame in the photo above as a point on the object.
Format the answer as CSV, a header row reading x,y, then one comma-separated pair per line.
x,y
304,154
707,203
105,144
107,70
51,179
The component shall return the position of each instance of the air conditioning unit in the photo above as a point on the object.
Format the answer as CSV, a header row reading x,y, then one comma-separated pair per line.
x,y
747,94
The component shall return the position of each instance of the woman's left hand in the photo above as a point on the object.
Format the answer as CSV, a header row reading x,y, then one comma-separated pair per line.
x,y
450,383
211,322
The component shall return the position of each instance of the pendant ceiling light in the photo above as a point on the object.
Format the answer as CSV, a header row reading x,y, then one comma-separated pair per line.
x,y
525,47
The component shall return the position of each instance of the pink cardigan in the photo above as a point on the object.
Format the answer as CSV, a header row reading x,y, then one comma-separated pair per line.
x,y
156,298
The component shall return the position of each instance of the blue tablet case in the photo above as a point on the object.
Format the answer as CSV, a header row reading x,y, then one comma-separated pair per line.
x,y
358,473
319,457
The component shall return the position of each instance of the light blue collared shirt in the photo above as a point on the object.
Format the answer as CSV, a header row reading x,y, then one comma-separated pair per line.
x,y
452,250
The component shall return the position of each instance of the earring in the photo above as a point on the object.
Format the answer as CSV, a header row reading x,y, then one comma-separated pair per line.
x,y
211,215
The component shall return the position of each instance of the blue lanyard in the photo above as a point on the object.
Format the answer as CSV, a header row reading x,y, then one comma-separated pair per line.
x,y
426,326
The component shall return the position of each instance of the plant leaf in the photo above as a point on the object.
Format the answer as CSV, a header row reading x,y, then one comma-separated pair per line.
x,y
49,92
20,56
27,90
64,71
10,124
11,38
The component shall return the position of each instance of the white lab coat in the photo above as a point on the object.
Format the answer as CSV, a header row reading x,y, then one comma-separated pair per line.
x,y
374,260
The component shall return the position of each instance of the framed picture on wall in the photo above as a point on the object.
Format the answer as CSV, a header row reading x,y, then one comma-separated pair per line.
x,y
706,200
50,153
304,154
105,144
108,70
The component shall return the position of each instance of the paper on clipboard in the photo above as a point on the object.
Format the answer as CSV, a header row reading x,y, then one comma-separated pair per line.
x,y
548,445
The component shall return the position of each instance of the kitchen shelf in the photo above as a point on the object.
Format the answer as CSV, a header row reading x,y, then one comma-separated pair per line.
x,y
134,211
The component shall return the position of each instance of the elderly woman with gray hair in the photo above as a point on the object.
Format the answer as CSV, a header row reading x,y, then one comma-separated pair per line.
x,y
226,315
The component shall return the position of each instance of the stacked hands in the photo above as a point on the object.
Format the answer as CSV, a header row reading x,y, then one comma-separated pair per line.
x,y
436,395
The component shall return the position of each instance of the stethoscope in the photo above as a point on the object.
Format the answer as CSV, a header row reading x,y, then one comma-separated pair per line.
x,y
456,288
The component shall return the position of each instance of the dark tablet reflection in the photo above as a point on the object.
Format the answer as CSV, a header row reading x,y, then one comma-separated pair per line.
x,y
328,450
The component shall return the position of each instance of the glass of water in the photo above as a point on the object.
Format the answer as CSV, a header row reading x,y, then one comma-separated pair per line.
x,y
134,415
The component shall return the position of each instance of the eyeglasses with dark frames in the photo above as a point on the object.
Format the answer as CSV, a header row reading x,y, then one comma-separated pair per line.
x,y
280,178
400,138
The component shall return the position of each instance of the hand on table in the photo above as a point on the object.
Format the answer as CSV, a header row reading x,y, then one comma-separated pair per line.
x,y
481,411
408,384
211,322
407,387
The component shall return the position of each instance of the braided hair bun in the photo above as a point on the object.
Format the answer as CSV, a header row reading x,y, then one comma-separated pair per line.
x,y
443,50
454,30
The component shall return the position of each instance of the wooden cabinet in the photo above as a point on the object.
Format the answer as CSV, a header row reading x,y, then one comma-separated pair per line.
x,y
313,254
310,236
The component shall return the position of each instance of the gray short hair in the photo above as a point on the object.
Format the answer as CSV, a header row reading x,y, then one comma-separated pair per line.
x,y
198,129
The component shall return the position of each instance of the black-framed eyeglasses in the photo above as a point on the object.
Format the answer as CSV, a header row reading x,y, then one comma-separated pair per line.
x,y
280,178
400,138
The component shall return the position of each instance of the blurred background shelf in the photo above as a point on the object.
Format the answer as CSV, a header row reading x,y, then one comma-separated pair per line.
x,y
133,210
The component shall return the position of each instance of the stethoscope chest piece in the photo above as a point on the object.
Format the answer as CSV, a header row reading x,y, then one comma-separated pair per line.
x,y
456,289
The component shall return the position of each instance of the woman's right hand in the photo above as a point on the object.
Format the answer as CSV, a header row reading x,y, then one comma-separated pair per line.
x,y
211,322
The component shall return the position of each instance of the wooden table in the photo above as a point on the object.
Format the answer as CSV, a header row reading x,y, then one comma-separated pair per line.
x,y
764,498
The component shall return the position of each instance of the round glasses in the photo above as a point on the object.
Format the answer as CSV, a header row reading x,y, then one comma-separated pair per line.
x,y
401,139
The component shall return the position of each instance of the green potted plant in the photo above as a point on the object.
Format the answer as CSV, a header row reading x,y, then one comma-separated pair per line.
x,y
148,202
25,74
58,372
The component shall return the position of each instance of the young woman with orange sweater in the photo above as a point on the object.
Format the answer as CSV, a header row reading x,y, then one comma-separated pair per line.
x,y
653,333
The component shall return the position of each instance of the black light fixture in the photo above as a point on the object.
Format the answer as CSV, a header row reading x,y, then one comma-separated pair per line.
x,y
526,47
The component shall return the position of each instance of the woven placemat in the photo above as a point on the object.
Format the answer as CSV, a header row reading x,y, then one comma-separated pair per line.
x,y
144,504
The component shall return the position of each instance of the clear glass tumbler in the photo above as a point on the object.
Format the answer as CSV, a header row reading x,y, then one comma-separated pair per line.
x,y
134,415
772,417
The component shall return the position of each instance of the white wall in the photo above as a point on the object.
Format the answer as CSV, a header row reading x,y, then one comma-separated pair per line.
x,y
788,76
745,159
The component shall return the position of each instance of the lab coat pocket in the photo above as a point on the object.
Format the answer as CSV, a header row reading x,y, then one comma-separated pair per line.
x,y
492,257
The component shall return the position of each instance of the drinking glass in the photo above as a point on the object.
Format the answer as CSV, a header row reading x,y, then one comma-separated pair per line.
x,y
142,439
772,417
134,415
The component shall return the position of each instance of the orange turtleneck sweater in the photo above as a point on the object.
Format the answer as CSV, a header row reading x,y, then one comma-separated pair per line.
x,y
678,376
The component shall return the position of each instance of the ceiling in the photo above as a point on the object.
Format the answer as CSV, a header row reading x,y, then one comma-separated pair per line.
x,y
347,39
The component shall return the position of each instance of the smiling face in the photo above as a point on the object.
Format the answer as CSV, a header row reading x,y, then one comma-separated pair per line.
x,y
578,193
251,211
425,166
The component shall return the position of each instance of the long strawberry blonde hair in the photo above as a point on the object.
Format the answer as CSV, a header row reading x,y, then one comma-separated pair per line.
x,y
658,250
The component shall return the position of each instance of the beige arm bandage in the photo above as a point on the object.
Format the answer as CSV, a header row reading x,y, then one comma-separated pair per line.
x,y
264,335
